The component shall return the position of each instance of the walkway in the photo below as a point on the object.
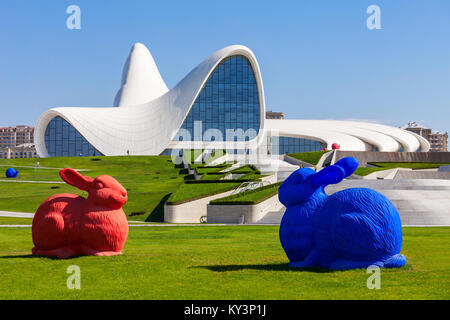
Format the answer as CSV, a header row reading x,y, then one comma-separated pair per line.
x,y
29,181
34,167
16,214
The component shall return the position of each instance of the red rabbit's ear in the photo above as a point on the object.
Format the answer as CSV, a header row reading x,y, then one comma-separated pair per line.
x,y
75,179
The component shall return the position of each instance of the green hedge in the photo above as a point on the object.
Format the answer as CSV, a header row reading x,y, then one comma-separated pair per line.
x,y
250,197
380,166
205,181
210,184
309,157
249,168
194,191
213,176
212,169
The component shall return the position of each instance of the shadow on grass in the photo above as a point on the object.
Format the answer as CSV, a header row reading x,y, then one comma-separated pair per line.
x,y
19,256
157,214
263,267
27,256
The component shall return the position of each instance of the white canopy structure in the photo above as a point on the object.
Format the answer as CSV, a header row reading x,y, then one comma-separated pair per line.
x,y
224,92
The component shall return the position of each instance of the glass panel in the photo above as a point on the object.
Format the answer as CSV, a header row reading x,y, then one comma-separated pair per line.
x,y
63,140
228,100
283,145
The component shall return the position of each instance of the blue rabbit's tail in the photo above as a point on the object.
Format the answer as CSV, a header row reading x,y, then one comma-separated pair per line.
x,y
396,261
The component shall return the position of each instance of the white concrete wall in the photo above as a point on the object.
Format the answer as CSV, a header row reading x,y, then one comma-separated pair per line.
x,y
192,211
418,201
251,213
385,174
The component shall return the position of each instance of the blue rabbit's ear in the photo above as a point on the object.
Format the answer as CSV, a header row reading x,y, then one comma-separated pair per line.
x,y
299,176
349,165
329,175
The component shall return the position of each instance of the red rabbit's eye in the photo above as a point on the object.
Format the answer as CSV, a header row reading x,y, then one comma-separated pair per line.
x,y
98,185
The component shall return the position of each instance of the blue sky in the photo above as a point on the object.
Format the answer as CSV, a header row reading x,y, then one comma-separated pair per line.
x,y
318,59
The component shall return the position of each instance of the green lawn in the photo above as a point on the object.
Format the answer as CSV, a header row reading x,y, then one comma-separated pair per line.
x,y
202,169
411,165
191,155
14,220
249,172
380,166
213,176
249,197
309,157
148,179
248,168
366,171
206,262
193,191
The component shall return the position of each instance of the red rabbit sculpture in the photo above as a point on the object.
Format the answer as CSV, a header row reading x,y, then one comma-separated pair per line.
x,y
67,225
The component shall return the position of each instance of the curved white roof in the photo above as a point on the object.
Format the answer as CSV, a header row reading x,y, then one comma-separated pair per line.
x,y
147,128
350,135
141,80
146,115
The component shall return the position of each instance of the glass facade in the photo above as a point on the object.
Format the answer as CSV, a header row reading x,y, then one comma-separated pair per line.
x,y
63,140
283,145
228,100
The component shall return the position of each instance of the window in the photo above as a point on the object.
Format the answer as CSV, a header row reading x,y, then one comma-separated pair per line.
x,y
63,140
283,145
228,100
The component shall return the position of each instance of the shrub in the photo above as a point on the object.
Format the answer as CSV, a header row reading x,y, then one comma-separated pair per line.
x,y
249,197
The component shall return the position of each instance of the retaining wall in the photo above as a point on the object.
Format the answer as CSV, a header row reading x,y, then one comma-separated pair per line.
x,y
192,211
369,156
250,213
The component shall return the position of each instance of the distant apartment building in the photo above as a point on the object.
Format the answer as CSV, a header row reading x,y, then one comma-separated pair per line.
x,y
437,140
274,115
26,150
17,142
14,136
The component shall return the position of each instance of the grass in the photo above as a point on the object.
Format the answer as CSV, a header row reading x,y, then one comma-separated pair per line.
x,y
211,183
252,176
148,179
411,165
191,155
309,157
216,155
248,168
14,220
366,171
239,262
211,176
193,191
379,166
249,172
202,169
249,197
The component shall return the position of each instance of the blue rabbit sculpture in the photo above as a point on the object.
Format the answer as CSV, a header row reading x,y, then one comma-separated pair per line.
x,y
353,228
11,173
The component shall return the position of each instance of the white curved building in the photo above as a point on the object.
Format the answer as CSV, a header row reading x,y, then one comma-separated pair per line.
x,y
218,105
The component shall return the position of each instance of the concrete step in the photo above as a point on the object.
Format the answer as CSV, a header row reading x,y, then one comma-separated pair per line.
x,y
272,217
418,202
399,184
